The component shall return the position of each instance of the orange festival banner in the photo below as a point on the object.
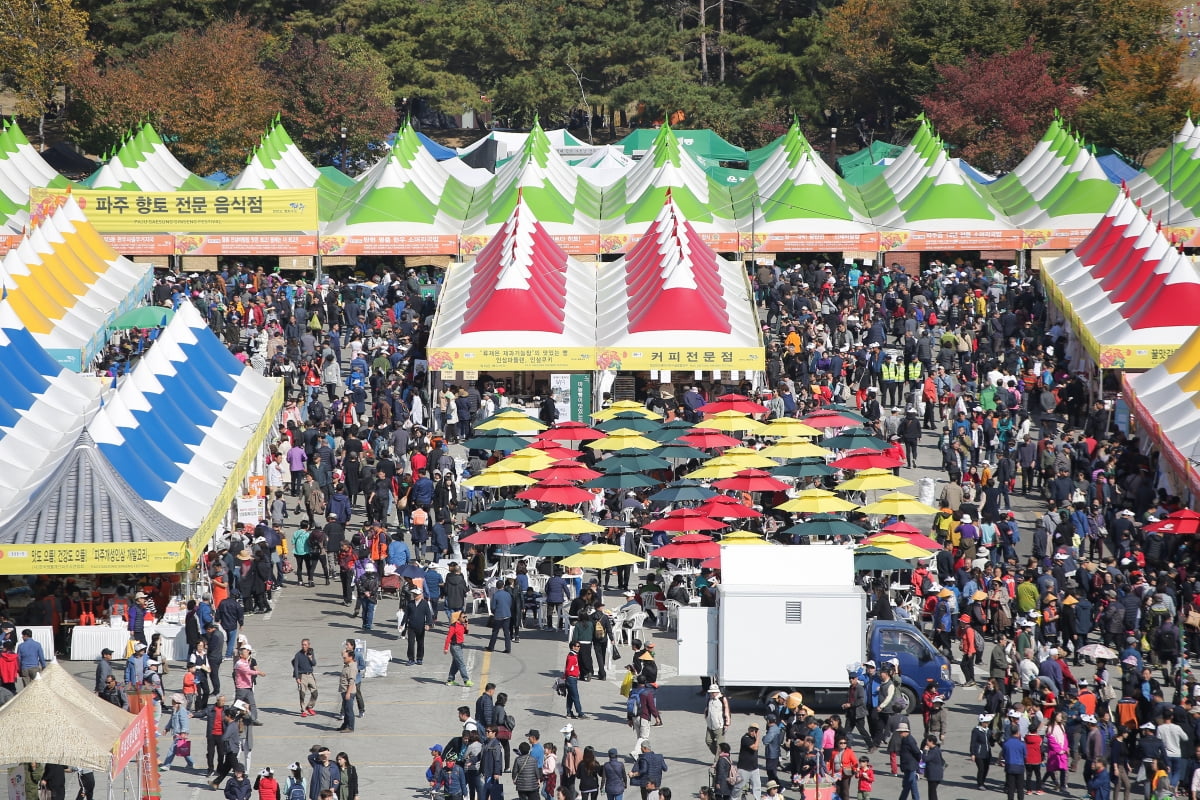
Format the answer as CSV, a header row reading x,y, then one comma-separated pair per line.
x,y
259,244
389,244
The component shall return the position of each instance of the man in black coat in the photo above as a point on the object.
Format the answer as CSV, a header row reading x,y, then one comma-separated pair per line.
x,y
418,618
910,761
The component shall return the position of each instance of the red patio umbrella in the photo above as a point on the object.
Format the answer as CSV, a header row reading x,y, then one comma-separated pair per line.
x,y
872,460
733,402
706,439
565,470
558,492
502,532
830,419
725,507
712,563
751,480
918,539
902,528
554,450
685,519
1183,522
570,432
690,549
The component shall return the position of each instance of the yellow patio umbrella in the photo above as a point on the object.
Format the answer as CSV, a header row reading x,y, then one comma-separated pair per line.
x,y
899,547
870,479
717,468
565,522
625,405
789,426
743,537
600,556
511,419
526,459
748,458
624,439
898,504
794,447
495,479
729,421
816,501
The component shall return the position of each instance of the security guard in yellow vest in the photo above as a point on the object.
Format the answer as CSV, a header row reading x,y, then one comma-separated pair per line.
x,y
891,376
912,374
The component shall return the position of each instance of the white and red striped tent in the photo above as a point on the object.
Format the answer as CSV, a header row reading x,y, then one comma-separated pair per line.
x,y
673,292
521,294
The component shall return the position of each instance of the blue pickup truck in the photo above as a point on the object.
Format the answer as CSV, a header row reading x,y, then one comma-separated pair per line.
x,y
919,659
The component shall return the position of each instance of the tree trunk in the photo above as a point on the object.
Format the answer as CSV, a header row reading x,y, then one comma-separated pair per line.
x,y
703,44
721,41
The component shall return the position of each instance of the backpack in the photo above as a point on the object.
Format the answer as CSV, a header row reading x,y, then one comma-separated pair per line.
x,y
631,705
296,791
715,714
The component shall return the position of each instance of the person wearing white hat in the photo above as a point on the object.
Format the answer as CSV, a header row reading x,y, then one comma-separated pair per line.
x,y
716,718
179,724
980,748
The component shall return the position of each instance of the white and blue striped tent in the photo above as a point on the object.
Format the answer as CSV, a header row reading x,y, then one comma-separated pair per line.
x,y
179,424
43,408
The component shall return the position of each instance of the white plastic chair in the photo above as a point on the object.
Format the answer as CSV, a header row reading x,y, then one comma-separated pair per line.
x,y
636,629
672,614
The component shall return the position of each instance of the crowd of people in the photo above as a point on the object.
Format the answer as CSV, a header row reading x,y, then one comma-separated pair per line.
x,y
1070,621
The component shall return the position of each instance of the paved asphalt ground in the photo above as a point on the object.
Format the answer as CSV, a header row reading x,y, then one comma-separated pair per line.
x,y
412,708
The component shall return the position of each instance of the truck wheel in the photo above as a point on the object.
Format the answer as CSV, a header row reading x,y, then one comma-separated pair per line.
x,y
914,706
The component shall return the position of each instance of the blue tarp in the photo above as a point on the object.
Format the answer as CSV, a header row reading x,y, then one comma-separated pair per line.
x,y
438,151
1116,169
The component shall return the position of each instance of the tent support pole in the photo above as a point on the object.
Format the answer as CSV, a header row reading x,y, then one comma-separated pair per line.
x,y
318,268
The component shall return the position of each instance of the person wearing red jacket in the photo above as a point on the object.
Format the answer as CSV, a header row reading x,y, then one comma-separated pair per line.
x,y
454,646
267,786
8,668
571,674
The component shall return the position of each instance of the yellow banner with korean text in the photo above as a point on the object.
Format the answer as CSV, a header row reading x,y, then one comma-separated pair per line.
x,y
572,359
681,358
241,211
90,559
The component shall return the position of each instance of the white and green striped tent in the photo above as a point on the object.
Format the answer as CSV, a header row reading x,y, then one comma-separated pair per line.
x,y
510,143
795,191
923,190
1170,187
406,193
1060,184
144,164
556,195
631,203
21,169
277,163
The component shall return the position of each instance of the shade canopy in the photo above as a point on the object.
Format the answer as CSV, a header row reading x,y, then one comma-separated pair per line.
x,y
54,720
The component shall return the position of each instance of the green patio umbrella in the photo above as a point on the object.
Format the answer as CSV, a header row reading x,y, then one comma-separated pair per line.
x,y
678,451
496,440
548,545
855,438
144,317
845,411
870,558
629,421
623,478
825,525
804,468
632,460
682,491
670,431
512,510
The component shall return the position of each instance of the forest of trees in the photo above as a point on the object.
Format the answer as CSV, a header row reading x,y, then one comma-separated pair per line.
x,y
990,74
